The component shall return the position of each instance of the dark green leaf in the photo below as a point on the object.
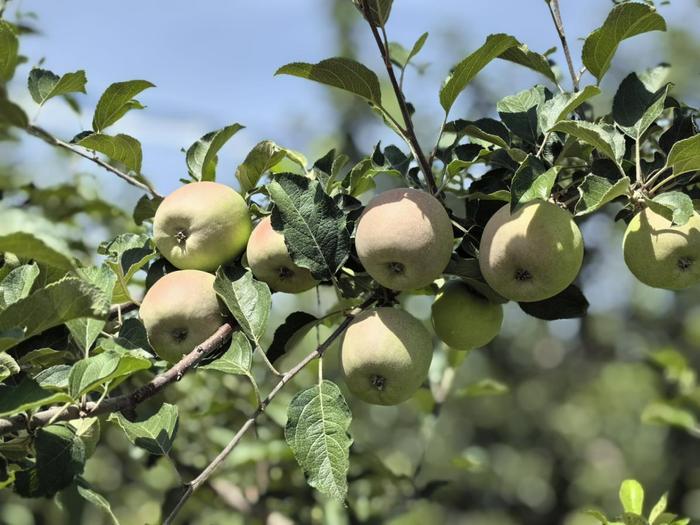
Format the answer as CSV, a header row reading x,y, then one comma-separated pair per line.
x,y
522,55
146,208
120,148
569,304
248,300
25,396
44,84
202,155
379,11
532,181
520,112
597,191
339,72
127,254
318,419
624,21
314,227
485,130
116,101
60,456
635,108
61,301
155,434
12,115
284,334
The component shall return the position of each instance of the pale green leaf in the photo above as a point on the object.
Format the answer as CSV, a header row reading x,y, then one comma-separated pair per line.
x,y
119,148
201,156
632,496
89,374
485,387
8,366
532,181
601,136
236,360
597,191
676,206
86,330
684,156
561,105
262,158
44,84
17,284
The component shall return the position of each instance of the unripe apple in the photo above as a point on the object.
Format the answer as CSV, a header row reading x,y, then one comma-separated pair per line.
x,y
271,263
385,355
463,319
660,254
180,311
201,226
404,239
532,254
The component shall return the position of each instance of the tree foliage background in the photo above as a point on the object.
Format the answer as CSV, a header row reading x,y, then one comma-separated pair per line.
x,y
546,421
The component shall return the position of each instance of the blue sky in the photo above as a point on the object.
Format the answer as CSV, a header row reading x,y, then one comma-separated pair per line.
x,y
213,64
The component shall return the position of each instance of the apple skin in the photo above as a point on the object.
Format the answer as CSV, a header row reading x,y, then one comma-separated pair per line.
x,y
404,239
180,311
270,262
533,254
660,254
463,319
385,356
201,226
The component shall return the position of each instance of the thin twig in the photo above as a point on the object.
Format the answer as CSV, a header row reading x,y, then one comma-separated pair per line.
x,y
126,401
556,17
53,141
408,128
193,485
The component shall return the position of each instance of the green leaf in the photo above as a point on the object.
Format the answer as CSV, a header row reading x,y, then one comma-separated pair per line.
x,y
485,129
89,374
155,434
86,492
12,115
531,181
127,254
25,242
9,45
248,300
43,84
631,518
314,227
262,158
60,456
674,205
520,112
569,304
562,105
597,515
661,413
8,366
684,156
603,137
632,496
54,377
86,330
361,177
523,56
597,191
379,11
485,387
286,333
116,101
318,419
624,21
17,284
61,301
25,396
467,69
400,56
659,508
236,360
145,208
635,108
119,148
339,72
201,156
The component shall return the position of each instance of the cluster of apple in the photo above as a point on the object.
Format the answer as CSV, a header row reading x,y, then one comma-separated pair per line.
x,y
404,240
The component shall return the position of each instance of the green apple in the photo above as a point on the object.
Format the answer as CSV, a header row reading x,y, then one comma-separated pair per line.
x,y
660,254
201,226
180,311
270,262
463,319
533,254
385,355
404,239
